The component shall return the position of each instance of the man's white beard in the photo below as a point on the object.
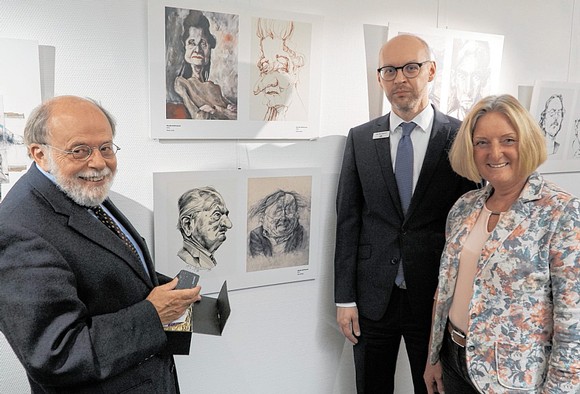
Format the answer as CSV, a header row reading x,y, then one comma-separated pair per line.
x,y
87,196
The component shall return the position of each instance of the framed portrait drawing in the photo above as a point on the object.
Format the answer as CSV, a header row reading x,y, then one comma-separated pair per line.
x,y
222,73
556,107
249,227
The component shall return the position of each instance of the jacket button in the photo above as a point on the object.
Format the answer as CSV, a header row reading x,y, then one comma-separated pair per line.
x,y
394,261
471,348
473,315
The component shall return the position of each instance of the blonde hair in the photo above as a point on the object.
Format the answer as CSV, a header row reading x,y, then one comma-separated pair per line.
x,y
532,146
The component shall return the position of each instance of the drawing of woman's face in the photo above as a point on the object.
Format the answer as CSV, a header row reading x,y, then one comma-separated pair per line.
x,y
197,48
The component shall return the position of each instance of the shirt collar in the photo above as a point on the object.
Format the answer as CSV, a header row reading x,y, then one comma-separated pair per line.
x,y
424,119
46,174
196,249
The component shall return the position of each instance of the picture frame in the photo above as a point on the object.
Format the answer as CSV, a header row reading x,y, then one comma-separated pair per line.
x,y
266,238
258,78
556,107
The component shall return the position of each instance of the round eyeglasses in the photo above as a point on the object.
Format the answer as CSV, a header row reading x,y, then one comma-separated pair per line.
x,y
108,150
410,70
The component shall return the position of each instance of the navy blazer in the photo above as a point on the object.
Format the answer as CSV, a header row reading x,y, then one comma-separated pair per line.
x,y
373,234
72,297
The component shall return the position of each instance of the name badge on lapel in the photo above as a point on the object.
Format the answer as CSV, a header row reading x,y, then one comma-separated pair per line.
x,y
381,134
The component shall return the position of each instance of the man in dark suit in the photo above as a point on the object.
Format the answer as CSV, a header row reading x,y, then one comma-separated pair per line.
x,y
82,307
388,243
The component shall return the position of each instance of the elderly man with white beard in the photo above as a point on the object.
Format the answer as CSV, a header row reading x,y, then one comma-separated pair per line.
x,y
82,306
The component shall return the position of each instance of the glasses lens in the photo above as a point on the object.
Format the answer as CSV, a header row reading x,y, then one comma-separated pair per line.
x,y
388,73
411,70
108,150
81,152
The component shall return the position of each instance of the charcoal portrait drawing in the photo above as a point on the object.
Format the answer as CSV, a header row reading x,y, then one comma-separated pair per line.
x,y
203,223
470,74
278,229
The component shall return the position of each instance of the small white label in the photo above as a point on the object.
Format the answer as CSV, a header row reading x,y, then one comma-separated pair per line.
x,y
381,134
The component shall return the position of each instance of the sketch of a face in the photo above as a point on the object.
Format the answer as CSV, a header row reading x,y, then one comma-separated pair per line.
x,y
197,49
281,218
469,80
198,42
279,232
552,116
276,82
469,77
209,227
278,66
203,218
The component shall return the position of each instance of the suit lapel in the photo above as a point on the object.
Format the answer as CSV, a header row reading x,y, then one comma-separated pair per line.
x,y
136,236
383,152
90,227
87,225
436,151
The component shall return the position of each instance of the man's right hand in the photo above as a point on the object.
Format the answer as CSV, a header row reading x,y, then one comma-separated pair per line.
x,y
171,304
347,319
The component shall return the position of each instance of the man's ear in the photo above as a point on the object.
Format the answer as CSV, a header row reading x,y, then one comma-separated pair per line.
x,y
186,225
432,70
38,154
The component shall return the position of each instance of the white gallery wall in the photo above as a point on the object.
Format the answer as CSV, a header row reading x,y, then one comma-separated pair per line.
x,y
282,338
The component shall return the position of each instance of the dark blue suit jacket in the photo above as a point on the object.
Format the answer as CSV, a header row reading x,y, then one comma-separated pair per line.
x,y
72,297
372,232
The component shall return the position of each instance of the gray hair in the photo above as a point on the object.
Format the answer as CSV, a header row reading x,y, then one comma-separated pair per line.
x,y
36,130
260,207
197,200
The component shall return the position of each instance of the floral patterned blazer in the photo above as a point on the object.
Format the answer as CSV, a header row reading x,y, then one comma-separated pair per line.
x,y
524,316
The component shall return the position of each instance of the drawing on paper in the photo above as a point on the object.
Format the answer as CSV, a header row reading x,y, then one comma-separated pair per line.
x,y
551,119
201,64
278,222
203,223
470,74
282,49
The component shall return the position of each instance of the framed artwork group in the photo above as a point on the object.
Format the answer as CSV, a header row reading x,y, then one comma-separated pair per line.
x,y
251,227
218,73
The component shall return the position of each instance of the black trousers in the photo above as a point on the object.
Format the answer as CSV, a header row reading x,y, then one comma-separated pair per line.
x,y
375,355
455,376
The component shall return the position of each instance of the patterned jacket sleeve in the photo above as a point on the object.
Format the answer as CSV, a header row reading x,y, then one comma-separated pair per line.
x,y
564,365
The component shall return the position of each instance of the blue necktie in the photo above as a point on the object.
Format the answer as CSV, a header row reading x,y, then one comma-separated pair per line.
x,y
404,166
404,176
